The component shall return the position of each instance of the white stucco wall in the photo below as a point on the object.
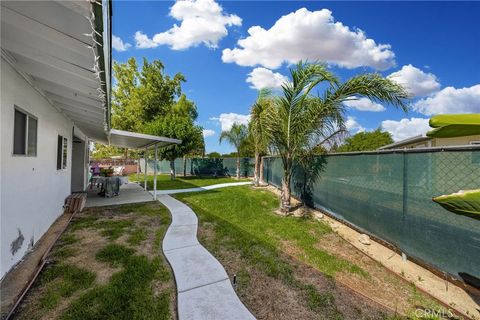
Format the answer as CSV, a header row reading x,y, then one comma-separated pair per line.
x,y
32,190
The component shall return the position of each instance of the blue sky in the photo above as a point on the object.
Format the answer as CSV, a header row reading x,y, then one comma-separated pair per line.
x,y
432,48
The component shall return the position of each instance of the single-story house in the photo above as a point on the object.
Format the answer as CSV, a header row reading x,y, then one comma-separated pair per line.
x,y
422,141
55,99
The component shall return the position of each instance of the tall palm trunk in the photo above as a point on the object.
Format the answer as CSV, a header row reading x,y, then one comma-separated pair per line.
x,y
238,165
172,169
285,194
261,171
184,166
286,191
256,173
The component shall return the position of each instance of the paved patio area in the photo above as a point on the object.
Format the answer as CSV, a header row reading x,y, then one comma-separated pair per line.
x,y
204,289
129,193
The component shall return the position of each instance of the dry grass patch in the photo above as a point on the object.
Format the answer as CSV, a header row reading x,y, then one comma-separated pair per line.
x,y
107,264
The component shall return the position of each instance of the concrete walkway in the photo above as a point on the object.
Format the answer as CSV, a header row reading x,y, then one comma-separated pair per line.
x,y
204,289
215,186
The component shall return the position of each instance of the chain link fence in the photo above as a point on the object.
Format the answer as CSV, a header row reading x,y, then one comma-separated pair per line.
x,y
389,195
203,166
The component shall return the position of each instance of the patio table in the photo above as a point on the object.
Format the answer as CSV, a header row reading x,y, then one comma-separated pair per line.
x,y
110,186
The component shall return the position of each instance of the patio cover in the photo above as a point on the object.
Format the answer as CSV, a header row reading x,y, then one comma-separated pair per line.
x,y
63,49
133,140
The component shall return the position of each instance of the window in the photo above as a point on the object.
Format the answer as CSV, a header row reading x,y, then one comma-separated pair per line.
x,y
24,134
62,152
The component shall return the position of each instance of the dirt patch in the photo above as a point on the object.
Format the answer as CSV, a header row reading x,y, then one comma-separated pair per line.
x,y
289,248
264,296
90,242
350,304
380,286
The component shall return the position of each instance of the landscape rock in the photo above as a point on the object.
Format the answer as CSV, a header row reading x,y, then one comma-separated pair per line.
x,y
364,239
318,216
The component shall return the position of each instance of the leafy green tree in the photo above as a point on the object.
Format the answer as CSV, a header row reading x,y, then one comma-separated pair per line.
x,y
101,151
140,96
214,155
247,148
125,100
299,120
157,90
179,127
185,107
366,141
236,136
229,155
258,132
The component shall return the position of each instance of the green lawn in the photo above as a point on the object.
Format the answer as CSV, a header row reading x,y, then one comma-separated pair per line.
x,y
165,183
241,221
248,214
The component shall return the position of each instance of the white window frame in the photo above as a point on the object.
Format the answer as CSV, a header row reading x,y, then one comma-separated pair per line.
x,y
28,116
63,153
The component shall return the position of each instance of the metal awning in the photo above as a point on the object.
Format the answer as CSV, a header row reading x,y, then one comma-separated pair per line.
x,y
63,49
133,140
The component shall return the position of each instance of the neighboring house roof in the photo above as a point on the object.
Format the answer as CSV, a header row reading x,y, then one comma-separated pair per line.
x,y
63,49
401,143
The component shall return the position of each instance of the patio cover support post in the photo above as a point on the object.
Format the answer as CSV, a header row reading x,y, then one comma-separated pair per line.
x,y
155,174
138,169
145,155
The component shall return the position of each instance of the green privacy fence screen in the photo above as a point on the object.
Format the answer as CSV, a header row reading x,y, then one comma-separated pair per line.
x,y
201,166
389,195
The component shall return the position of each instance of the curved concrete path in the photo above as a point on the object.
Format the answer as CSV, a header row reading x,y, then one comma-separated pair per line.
x,y
214,186
204,289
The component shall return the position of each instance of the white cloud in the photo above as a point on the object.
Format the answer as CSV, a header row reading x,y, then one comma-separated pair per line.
x,y
406,128
143,42
417,82
364,104
202,21
353,126
208,133
306,35
451,100
262,78
119,45
227,120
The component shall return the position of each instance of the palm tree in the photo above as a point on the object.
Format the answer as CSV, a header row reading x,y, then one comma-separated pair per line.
x,y
299,120
258,132
235,136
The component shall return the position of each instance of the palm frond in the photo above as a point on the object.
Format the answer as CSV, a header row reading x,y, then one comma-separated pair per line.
x,y
370,85
235,136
